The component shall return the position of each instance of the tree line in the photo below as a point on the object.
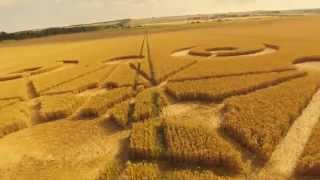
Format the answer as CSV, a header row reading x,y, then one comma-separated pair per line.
x,y
58,30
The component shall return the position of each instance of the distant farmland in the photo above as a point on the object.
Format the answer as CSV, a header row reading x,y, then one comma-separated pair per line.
x,y
232,100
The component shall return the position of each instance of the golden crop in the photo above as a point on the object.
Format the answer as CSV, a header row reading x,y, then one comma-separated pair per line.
x,y
239,52
59,106
221,68
120,113
194,175
48,81
198,145
215,89
268,94
8,102
164,68
86,50
182,144
27,69
145,141
112,170
99,104
11,77
160,64
309,163
261,119
143,170
46,69
89,81
227,50
145,105
122,76
142,107
15,89
307,59
200,51
14,118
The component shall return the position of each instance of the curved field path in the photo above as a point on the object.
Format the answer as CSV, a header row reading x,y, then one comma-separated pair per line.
x,y
60,150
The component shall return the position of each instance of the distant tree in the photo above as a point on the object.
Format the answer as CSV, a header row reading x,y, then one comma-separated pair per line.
x,y
3,36
58,30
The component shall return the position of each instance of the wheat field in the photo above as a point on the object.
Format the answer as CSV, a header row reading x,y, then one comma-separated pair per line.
x,y
206,102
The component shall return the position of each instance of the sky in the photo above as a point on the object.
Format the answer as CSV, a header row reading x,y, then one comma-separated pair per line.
x,y
17,15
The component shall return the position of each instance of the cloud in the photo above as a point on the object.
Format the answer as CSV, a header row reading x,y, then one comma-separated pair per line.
x,y
92,3
7,3
27,14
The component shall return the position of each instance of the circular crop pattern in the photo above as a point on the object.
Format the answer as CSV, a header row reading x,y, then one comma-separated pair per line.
x,y
224,51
